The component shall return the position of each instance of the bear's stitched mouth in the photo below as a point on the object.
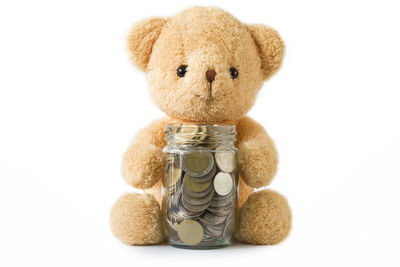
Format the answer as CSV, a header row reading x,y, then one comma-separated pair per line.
x,y
209,98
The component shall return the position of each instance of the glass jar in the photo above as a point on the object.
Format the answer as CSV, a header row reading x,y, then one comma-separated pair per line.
x,y
200,185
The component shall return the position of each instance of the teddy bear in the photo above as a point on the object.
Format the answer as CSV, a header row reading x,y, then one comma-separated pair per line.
x,y
203,66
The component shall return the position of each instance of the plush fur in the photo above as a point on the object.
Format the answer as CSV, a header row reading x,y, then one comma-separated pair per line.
x,y
264,219
136,220
203,39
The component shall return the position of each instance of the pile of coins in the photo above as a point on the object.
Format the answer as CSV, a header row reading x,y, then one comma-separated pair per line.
x,y
200,192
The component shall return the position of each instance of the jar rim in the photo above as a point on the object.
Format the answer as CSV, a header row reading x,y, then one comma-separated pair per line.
x,y
200,132
222,126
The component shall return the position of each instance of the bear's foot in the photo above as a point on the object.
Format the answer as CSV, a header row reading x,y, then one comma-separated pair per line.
x,y
264,219
136,219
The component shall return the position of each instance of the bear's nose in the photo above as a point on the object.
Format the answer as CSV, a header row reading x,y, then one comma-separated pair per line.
x,y
210,74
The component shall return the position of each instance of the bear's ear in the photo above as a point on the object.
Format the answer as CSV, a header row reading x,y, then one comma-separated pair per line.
x,y
141,39
270,48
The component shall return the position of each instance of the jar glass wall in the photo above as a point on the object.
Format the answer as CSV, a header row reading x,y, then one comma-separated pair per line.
x,y
200,185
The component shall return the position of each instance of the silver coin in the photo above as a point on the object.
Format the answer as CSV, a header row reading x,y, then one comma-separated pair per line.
x,y
208,239
183,214
195,208
229,225
221,211
198,201
223,183
221,201
177,216
175,197
225,160
172,223
213,219
179,212
214,230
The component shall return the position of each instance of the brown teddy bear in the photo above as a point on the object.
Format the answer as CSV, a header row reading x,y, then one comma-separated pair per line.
x,y
203,66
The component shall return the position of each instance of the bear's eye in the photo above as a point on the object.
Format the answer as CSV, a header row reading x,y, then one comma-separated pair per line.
x,y
181,71
234,72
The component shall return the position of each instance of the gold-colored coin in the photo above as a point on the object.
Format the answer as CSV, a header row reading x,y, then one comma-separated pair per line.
x,y
190,232
188,128
203,132
194,186
192,129
197,162
186,133
173,174
190,134
169,159
225,161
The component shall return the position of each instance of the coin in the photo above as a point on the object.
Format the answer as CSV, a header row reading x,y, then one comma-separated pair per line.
x,y
221,201
207,177
190,134
229,226
214,230
186,191
184,133
171,223
191,129
198,164
194,186
169,158
223,183
193,207
190,232
210,218
198,200
172,175
186,214
176,197
171,190
183,214
207,239
176,211
225,161
220,211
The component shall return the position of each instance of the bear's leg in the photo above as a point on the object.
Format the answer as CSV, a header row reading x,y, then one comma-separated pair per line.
x,y
264,219
136,219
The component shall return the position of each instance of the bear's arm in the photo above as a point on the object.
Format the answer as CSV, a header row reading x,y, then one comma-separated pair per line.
x,y
142,163
258,157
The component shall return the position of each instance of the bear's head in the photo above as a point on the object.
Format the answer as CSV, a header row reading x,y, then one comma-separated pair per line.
x,y
203,64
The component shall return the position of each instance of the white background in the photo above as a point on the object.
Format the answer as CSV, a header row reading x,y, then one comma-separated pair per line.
x,y
70,102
